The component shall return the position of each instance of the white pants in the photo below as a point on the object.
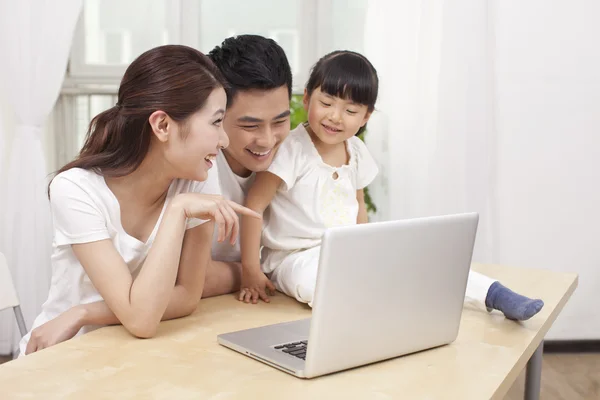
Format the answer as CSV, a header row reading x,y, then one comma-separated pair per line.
x,y
295,274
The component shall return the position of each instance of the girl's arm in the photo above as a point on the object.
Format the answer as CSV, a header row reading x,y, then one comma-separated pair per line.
x,y
363,217
254,282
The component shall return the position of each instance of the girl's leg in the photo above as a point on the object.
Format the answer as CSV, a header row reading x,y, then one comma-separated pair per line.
x,y
484,292
296,275
478,286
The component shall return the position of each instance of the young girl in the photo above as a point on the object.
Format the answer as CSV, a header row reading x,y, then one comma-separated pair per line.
x,y
316,181
128,247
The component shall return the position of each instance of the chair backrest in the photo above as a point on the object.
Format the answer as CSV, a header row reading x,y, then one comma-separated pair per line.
x,y
8,294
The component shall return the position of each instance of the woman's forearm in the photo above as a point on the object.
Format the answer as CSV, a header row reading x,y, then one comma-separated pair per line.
x,y
98,313
138,303
152,289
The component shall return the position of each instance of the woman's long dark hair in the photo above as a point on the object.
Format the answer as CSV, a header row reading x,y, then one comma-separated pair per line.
x,y
175,79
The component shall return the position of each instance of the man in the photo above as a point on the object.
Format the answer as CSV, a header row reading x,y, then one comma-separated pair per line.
x,y
257,121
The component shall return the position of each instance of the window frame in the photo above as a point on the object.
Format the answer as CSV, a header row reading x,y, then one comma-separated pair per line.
x,y
184,28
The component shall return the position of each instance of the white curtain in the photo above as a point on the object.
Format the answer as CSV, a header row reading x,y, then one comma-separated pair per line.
x,y
3,125
37,36
5,342
433,133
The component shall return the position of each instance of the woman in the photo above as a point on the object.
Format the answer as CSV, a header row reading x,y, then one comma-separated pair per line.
x,y
134,213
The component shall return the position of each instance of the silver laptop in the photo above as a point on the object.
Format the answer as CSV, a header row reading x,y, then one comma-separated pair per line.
x,y
383,290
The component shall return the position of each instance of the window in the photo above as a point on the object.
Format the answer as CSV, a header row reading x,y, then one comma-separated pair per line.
x,y
279,20
112,33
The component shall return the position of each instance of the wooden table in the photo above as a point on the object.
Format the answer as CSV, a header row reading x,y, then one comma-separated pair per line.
x,y
184,361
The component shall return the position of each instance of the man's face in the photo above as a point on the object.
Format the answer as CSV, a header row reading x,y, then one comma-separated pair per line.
x,y
256,122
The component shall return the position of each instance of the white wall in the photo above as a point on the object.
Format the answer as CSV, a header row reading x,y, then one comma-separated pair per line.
x,y
548,126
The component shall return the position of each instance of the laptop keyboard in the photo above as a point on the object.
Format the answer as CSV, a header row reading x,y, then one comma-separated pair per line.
x,y
296,349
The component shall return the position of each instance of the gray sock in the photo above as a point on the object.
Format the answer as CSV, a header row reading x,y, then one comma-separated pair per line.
x,y
513,305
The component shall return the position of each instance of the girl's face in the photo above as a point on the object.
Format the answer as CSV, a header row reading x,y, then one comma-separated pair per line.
x,y
192,146
333,119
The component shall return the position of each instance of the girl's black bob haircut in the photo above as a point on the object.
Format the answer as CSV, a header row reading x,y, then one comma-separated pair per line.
x,y
347,75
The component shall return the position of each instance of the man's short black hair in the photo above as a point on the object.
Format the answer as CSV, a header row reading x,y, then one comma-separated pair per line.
x,y
252,62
